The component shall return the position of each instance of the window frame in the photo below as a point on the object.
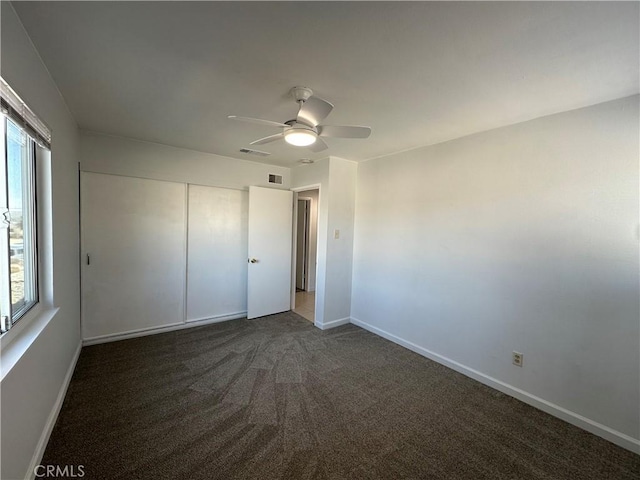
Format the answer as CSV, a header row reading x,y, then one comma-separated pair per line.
x,y
15,114
11,313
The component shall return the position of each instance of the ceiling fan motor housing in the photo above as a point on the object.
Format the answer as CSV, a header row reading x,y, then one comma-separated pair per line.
x,y
295,124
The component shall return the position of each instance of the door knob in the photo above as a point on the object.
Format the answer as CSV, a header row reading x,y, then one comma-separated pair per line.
x,y
253,260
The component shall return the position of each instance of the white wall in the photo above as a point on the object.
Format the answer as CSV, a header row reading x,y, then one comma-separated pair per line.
x,y
313,237
342,196
336,178
522,238
135,158
30,390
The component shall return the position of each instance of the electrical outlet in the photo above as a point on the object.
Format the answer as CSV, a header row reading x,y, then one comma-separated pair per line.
x,y
518,358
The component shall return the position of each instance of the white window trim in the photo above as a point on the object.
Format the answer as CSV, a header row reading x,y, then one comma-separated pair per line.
x,y
15,342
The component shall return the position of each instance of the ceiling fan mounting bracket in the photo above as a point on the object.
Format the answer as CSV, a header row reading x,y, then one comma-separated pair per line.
x,y
301,94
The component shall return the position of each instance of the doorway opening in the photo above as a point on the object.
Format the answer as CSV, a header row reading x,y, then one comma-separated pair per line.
x,y
302,246
306,224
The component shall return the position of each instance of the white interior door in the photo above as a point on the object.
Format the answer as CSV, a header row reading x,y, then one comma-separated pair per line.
x,y
133,263
270,228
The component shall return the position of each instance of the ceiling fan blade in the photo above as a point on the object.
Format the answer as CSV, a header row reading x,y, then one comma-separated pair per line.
x,y
269,139
314,110
259,121
344,131
318,146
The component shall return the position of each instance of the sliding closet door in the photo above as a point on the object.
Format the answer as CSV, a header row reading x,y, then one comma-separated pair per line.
x,y
217,260
133,254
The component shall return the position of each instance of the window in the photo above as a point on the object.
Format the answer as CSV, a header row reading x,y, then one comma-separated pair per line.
x,y
19,259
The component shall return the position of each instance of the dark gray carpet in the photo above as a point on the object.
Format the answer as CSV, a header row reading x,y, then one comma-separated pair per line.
x,y
277,398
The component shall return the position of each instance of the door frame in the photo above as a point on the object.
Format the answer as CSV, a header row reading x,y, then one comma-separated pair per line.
x,y
294,238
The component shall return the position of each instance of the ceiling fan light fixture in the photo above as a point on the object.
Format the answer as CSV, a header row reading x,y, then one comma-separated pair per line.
x,y
300,137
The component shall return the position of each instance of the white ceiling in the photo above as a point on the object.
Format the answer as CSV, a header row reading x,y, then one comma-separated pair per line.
x,y
417,72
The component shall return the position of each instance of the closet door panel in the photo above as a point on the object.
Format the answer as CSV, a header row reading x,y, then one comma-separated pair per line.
x,y
217,253
133,254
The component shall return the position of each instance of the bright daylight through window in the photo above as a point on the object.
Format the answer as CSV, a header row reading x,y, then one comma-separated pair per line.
x,y
21,138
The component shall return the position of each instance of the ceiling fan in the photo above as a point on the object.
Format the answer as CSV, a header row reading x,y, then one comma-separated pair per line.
x,y
305,130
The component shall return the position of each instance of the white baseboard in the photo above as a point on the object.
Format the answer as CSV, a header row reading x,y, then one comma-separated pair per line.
x,y
333,323
53,416
587,424
143,332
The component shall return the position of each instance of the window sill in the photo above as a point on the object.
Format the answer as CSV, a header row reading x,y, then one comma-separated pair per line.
x,y
17,340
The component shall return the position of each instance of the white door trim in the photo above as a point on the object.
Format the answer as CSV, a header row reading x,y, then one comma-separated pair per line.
x,y
313,186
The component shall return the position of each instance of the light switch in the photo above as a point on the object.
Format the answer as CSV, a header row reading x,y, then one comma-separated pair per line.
x,y
336,234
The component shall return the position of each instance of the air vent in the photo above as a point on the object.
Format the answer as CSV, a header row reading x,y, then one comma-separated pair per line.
x,y
275,179
254,152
